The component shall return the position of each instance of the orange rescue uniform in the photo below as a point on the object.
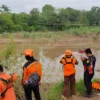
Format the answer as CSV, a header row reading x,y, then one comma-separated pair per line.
x,y
69,65
9,94
33,67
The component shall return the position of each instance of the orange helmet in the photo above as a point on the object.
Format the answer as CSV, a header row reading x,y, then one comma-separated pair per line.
x,y
28,52
68,53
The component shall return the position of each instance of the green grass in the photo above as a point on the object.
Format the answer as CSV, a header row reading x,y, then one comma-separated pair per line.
x,y
53,35
57,90
84,30
80,88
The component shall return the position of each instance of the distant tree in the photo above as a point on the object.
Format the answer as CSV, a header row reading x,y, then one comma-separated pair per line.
x,y
20,20
48,9
35,11
94,16
49,17
83,19
4,8
63,15
73,15
33,19
6,22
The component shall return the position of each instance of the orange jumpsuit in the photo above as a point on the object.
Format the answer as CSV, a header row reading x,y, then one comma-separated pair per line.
x,y
69,75
10,94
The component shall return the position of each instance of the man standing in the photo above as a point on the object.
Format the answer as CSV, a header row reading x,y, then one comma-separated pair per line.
x,y
32,66
69,62
89,65
6,85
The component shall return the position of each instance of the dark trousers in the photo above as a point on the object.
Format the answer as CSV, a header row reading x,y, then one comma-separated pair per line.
x,y
87,82
28,93
69,79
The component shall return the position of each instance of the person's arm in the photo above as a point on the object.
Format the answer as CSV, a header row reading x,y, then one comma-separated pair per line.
x,y
62,61
85,61
75,61
40,71
22,80
14,77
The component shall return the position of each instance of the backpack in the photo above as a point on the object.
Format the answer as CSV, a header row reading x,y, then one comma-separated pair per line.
x,y
33,79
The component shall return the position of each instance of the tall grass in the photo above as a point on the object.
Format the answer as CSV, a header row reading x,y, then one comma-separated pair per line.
x,y
84,30
52,35
8,54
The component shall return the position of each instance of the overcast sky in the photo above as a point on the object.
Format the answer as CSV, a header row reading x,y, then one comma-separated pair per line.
x,y
27,5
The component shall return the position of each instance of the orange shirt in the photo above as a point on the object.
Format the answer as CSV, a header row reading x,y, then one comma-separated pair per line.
x,y
69,66
33,67
10,94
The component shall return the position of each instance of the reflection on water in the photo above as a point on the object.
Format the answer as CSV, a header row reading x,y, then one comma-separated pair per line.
x,y
52,69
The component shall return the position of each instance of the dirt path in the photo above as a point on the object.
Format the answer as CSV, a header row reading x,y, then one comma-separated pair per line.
x,y
95,97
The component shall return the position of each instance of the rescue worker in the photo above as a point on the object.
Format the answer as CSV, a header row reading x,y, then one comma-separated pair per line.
x,y
89,65
69,62
6,85
29,68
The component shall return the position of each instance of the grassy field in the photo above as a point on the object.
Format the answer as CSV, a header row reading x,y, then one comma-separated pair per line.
x,y
55,34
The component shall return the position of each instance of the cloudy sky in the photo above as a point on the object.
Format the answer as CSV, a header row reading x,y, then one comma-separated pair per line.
x,y
27,5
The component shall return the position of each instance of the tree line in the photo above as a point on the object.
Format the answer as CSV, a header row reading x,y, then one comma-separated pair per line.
x,y
49,18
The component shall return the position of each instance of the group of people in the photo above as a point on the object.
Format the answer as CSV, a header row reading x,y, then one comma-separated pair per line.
x,y
69,62
32,76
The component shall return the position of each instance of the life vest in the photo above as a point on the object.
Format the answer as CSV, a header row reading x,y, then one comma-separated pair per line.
x,y
33,67
89,68
8,83
96,86
69,65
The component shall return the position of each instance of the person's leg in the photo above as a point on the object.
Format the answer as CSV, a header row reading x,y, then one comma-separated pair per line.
x,y
36,92
28,93
66,84
85,80
90,84
72,84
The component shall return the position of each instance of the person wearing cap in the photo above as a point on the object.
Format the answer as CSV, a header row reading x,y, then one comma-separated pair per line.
x,y
6,85
69,62
89,65
31,66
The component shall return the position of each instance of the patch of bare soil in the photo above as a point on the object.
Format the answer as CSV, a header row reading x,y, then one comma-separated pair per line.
x,y
94,97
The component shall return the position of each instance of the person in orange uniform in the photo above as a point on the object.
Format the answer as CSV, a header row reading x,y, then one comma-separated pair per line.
x,y
69,62
6,85
29,68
